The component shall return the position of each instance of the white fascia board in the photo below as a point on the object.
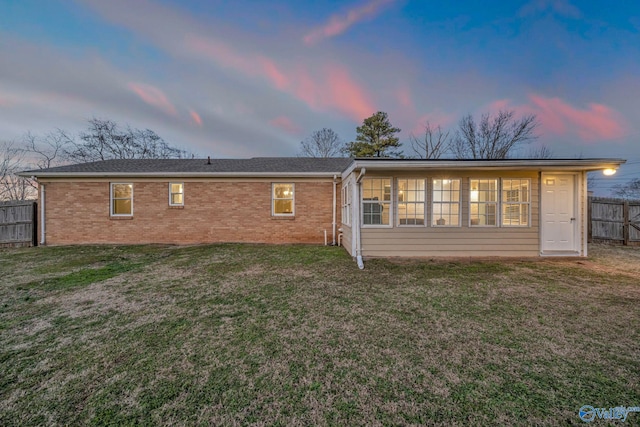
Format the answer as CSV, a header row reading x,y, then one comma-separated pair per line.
x,y
550,164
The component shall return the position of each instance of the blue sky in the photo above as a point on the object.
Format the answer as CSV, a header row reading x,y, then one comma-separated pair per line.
x,y
250,78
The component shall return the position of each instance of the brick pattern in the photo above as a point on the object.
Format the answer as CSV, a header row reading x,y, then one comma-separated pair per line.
x,y
78,213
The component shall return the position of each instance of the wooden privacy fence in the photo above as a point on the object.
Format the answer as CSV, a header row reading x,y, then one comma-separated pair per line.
x,y
18,223
614,220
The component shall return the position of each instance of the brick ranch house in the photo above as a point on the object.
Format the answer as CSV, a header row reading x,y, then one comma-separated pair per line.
x,y
373,206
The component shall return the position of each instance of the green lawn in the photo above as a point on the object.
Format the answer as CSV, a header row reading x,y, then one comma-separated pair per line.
x,y
297,335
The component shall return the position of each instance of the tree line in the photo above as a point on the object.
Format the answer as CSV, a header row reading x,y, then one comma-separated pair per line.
x,y
102,140
498,136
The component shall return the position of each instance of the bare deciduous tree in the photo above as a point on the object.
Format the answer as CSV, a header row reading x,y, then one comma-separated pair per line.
x,y
540,152
630,190
322,143
48,150
13,187
494,137
433,144
105,140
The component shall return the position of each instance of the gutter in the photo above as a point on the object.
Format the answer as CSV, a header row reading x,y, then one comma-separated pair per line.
x,y
42,215
178,174
357,222
333,234
519,164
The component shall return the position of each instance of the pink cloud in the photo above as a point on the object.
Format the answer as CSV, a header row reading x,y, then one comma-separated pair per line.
x,y
195,117
328,87
344,93
273,73
5,101
286,124
153,96
338,24
597,122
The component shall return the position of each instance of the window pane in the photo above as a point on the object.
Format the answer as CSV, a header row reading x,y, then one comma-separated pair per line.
x,y
283,191
122,207
122,191
176,199
176,188
283,206
446,202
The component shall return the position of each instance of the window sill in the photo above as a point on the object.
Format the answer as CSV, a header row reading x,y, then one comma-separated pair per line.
x,y
176,207
283,217
120,218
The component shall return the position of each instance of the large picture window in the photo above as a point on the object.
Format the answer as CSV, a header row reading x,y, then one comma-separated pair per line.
x,y
483,199
515,202
121,199
282,199
376,201
446,203
410,196
176,194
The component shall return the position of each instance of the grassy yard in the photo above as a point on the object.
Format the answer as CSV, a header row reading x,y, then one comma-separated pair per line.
x,y
297,335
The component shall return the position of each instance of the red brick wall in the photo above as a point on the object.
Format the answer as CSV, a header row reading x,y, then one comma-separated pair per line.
x,y
214,211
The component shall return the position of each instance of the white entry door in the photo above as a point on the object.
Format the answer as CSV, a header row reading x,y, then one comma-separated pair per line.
x,y
559,222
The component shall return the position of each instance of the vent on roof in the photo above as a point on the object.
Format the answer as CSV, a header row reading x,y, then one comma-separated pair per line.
x,y
208,160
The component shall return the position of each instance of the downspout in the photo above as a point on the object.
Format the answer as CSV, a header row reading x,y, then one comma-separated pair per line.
x,y
358,225
42,222
333,234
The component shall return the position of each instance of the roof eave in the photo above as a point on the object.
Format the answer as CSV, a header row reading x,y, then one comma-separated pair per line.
x,y
179,174
550,164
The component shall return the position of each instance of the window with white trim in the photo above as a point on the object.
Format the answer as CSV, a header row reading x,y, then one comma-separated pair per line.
x,y
176,194
410,198
445,202
376,201
483,202
346,204
282,199
121,199
516,205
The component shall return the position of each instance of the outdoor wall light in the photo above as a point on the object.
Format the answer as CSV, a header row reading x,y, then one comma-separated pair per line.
x,y
609,172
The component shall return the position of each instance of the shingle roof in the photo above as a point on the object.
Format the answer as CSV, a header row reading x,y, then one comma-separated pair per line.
x,y
256,165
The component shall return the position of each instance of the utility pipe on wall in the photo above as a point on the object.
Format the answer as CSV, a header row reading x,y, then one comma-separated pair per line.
x,y
357,221
333,234
42,199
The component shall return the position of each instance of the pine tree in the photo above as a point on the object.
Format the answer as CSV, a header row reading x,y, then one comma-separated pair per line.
x,y
376,138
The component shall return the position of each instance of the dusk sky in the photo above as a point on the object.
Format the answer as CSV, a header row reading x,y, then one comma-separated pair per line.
x,y
249,78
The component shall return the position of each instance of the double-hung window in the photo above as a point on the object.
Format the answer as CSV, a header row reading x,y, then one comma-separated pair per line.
x,y
445,209
410,197
483,199
346,204
282,199
376,201
121,199
176,194
516,202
